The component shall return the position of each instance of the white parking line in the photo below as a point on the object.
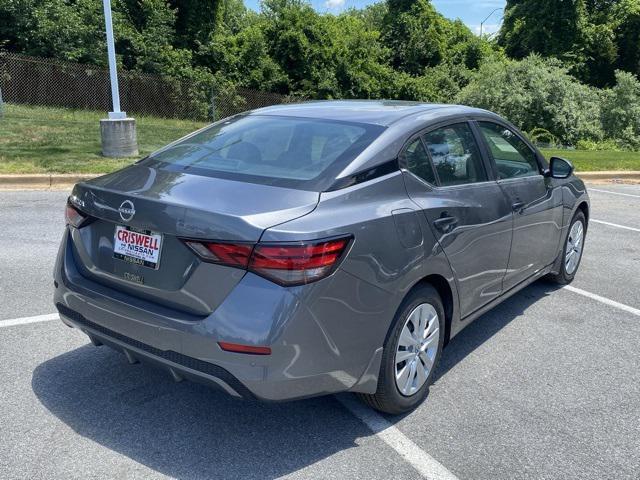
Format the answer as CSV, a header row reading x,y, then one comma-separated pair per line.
x,y
614,193
24,320
424,463
606,301
633,229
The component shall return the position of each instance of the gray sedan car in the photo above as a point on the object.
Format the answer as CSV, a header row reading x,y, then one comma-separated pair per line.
x,y
315,248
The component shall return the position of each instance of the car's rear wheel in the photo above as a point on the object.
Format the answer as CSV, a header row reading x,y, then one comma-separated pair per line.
x,y
572,251
411,353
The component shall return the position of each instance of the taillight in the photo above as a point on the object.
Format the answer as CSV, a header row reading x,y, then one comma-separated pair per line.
x,y
230,254
286,264
74,217
297,264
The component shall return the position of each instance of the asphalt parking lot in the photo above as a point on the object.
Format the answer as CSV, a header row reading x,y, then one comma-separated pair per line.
x,y
547,385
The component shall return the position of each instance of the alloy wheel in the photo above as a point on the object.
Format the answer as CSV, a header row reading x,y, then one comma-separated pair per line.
x,y
417,349
573,251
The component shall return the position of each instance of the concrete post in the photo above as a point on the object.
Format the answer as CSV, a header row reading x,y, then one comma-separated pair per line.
x,y
118,132
119,137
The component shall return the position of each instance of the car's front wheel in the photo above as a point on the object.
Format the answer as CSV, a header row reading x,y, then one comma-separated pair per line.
x,y
411,353
572,252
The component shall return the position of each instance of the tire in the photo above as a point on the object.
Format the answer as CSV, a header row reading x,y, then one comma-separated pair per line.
x,y
389,398
568,270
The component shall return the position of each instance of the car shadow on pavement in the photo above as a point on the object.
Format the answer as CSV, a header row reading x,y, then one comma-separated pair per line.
x,y
186,430
491,323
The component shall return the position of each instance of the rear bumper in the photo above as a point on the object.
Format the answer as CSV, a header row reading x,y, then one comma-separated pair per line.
x,y
178,365
324,338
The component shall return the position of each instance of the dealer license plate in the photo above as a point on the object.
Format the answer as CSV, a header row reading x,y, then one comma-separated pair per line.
x,y
140,247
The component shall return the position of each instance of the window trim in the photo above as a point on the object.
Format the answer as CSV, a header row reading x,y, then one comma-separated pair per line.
x,y
494,166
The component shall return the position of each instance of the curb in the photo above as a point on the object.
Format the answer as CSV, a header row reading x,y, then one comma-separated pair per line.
x,y
43,180
46,181
611,176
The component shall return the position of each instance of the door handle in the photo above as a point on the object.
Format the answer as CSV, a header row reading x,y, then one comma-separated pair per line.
x,y
518,206
446,223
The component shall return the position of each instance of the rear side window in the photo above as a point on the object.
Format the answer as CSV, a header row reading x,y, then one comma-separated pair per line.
x,y
285,151
455,155
512,156
418,161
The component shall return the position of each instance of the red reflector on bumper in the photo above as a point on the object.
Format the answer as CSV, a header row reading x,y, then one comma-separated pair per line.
x,y
237,348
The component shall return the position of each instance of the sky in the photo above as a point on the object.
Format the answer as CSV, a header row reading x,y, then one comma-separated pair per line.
x,y
471,12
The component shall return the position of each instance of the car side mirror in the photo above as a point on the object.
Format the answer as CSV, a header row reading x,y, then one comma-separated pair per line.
x,y
560,168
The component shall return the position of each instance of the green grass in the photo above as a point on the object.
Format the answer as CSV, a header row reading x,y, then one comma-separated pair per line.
x,y
58,140
591,161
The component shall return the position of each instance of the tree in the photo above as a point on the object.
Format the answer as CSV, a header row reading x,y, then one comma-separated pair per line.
x,y
145,32
592,37
627,34
593,59
243,59
602,8
373,15
416,34
17,23
300,42
421,38
74,30
546,27
55,28
362,62
196,20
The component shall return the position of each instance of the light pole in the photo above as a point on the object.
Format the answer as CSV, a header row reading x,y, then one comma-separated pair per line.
x,y
488,16
111,54
118,132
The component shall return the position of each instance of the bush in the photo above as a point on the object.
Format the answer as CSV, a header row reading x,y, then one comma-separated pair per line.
x,y
438,84
542,136
621,111
537,92
608,145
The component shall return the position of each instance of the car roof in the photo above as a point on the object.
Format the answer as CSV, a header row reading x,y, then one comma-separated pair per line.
x,y
378,112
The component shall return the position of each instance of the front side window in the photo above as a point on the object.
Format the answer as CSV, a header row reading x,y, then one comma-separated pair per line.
x,y
512,155
285,151
418,161
455,155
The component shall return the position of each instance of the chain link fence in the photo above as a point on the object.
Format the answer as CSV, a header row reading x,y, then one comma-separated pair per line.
x,y
54,83
225,104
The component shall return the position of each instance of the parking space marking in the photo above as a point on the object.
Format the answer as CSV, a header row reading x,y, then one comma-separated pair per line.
x,y
633,229
606,301
614,193
424,463
24,320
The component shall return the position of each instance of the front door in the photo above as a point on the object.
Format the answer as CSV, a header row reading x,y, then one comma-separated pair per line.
x,y
469,214
537,207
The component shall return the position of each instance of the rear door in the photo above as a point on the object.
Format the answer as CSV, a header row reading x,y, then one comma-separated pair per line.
x,y
470,216
537,206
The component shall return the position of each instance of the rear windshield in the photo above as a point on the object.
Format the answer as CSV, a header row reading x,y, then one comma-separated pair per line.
x,y
284,151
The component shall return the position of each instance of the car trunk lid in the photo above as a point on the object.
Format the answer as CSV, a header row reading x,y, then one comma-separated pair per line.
x,y
168,207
